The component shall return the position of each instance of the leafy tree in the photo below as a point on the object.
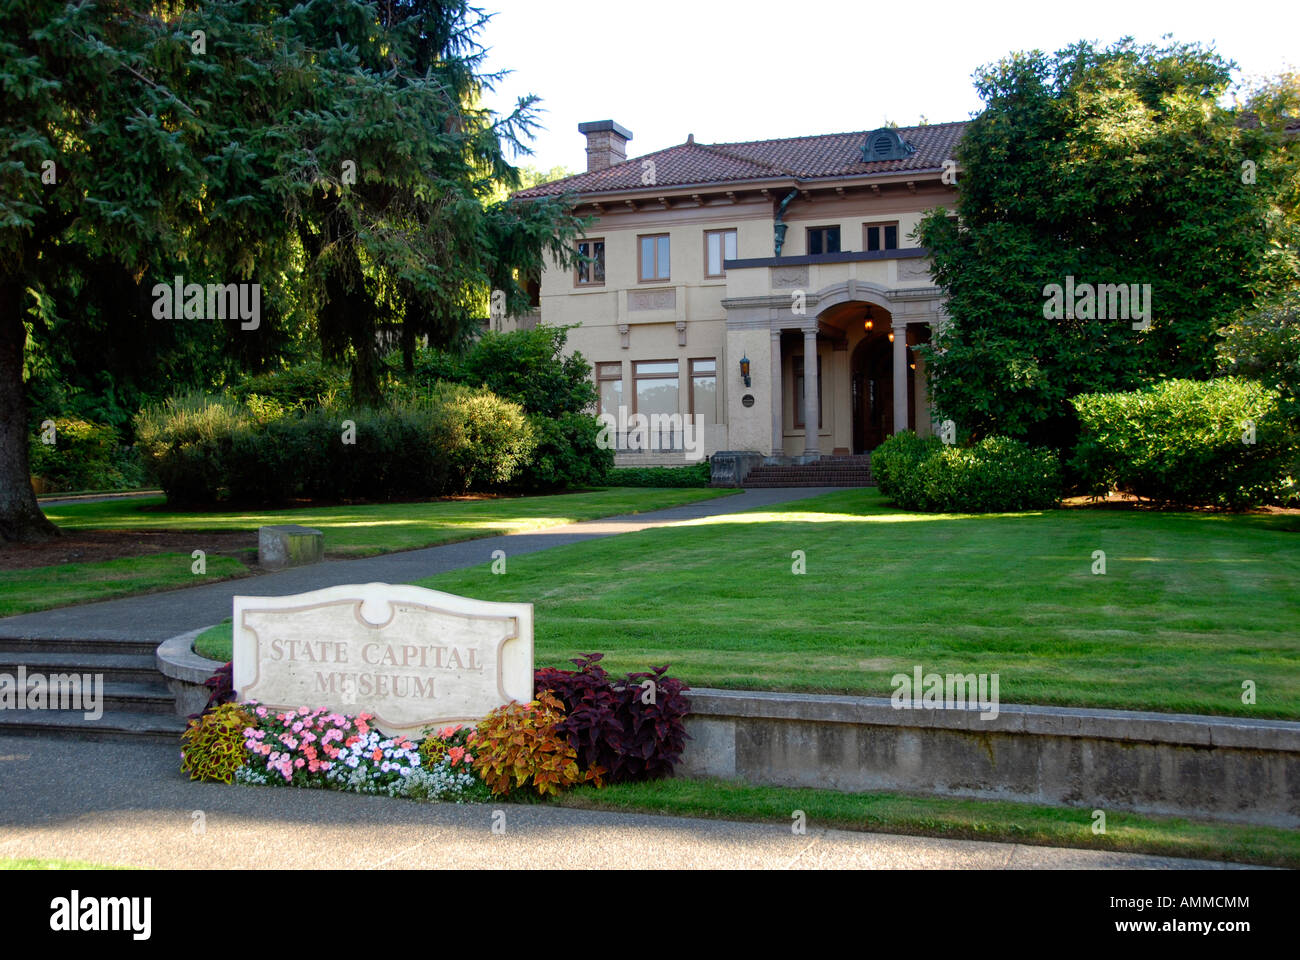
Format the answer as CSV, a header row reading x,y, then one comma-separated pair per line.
x,y
1110,166
330,152
530,367
1264,345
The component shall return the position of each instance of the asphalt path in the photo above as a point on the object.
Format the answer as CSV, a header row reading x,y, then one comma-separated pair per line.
x,y
127,804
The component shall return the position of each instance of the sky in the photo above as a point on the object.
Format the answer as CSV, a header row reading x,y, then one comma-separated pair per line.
x,y
729,70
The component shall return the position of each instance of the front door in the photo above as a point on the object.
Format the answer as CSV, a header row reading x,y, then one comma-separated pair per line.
x,y
873,392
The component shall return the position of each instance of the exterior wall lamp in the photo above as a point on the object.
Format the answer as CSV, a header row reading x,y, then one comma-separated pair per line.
x,y
744,368
868,322
891,336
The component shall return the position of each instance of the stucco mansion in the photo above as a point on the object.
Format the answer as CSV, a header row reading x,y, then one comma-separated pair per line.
x,y
768,288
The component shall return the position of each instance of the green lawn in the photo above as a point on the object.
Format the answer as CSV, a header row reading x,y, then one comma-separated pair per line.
x,y
42,588
350,531
1190,606
384,527
950,817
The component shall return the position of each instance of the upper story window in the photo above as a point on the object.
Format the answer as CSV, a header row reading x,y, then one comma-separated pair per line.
x,y
880,236
591,266
652,260
719,246
823,240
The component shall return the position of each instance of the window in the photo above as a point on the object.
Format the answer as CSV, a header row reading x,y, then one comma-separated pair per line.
x,y
591,268
609,381
653,260
799,394
704,390
656,386
823,240
880,236
719,245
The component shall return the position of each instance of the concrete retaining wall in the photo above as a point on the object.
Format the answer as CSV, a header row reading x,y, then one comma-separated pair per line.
x,y
1222,768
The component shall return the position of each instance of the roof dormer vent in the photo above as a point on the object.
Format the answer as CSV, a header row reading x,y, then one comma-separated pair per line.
x,y
886,144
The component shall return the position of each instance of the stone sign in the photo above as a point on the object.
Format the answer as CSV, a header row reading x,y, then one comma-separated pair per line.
x,y
412,657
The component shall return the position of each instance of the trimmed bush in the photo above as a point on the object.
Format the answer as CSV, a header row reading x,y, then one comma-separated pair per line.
x,y
695,475
996,474
84,456
1221,442
186,443
567,454
456,441
486,439
894,463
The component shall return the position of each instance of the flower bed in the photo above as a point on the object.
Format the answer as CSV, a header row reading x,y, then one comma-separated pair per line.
x,y
582,725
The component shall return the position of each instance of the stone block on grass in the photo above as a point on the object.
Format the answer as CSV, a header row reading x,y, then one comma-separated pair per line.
x,y
289,545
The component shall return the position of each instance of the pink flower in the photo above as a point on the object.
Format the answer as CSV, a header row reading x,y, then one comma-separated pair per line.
x,y
300,763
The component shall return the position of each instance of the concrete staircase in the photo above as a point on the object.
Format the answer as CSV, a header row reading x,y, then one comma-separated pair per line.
x,y
134,696
841,471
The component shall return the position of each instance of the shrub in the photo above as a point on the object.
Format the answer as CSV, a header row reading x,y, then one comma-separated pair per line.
x,y
567,453
632,728
457,440
520,746
695,475
84,456
530,368
212,747
1185,442
996,474
300,387
486,440
894,463
186,444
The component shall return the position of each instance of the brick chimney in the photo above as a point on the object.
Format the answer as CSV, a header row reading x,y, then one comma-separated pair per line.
x,y
606,143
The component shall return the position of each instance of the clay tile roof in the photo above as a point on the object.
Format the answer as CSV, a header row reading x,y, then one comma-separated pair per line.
x,y
804,158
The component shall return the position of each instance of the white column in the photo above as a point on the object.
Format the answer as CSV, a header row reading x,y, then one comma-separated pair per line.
x,y
778,413
900,377
810,410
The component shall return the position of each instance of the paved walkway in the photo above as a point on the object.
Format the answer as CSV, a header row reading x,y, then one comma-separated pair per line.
x,y
157,616
127,804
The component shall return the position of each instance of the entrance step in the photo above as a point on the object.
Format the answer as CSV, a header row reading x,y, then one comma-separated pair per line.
x,y
135,701
833,471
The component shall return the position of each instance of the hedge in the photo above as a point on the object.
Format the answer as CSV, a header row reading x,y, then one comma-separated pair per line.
x,y
994,475
1220,442
457,440
695,475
